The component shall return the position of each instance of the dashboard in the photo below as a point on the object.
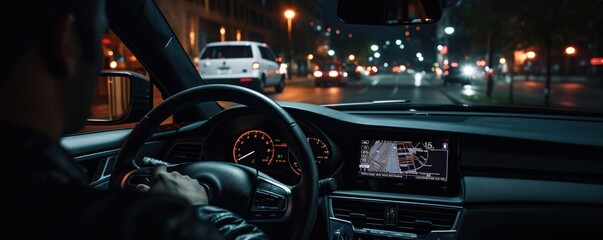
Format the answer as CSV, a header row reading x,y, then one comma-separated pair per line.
x,y
393,160
413,175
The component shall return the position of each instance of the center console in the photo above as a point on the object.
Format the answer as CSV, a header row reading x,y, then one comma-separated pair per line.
x,y
384,178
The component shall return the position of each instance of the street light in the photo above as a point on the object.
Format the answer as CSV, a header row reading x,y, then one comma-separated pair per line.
x,y
351,57
374,47
570,50
222,34
289,14
444,54
530,56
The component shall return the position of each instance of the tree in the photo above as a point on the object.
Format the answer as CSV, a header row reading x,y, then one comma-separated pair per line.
x,y
546,25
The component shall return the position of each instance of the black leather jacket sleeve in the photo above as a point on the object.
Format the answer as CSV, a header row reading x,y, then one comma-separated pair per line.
x,y
47,197
230,224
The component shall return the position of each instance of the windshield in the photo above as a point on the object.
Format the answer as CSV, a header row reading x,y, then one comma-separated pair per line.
x,y
480,52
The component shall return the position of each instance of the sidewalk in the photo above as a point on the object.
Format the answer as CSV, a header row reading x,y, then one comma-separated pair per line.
x,y
541,78
570,93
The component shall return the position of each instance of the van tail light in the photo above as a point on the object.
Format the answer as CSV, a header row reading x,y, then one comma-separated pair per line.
x,y
244,80
255,65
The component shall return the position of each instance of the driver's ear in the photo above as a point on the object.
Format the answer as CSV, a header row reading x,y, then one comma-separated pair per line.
x,y
63,44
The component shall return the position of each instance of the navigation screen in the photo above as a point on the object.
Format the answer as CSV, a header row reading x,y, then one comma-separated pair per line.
x,y
420,160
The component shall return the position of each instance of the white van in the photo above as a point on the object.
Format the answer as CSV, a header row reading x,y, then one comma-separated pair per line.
x,y
245,63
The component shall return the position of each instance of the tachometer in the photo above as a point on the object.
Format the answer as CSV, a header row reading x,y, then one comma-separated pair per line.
x,y
321,151
253,147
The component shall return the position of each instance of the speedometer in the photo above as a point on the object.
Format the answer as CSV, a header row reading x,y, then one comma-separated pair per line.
x,y
253,148
321,152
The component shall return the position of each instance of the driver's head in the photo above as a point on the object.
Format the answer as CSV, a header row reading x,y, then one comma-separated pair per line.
x,y
52,54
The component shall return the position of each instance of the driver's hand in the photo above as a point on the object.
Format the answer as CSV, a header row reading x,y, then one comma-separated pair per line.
x,y
177,184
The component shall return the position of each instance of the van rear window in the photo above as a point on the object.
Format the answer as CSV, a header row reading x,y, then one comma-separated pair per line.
x,y
227,52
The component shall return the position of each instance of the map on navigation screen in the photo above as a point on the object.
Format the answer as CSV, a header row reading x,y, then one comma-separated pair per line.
x,y
421,160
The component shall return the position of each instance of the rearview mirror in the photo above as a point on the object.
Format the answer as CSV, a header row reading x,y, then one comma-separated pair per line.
x,y
120,97
389,12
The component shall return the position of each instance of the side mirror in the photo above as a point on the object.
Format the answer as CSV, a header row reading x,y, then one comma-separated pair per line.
x,y
389,12
120,97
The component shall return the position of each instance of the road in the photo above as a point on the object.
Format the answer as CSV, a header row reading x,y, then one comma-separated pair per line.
x,y
378,87
425,88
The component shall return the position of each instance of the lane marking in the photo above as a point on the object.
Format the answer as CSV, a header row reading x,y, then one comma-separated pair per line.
x,y
396,88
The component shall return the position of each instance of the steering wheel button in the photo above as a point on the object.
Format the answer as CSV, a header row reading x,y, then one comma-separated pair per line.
x,y
278,190
264,186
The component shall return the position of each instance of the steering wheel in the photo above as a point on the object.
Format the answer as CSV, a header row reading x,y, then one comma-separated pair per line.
x,y
240,189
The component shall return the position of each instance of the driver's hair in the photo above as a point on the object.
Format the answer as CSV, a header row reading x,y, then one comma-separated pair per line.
x,y
27,24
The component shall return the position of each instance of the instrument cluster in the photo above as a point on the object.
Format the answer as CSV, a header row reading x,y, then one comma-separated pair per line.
x,y
253,141
268,152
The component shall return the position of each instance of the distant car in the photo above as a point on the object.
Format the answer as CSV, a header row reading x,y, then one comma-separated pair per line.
x,y
458,74
330,73
353,71
246,63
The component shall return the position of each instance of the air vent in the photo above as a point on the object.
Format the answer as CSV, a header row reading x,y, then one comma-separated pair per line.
x,y
423,219
394,216
184,152
361,214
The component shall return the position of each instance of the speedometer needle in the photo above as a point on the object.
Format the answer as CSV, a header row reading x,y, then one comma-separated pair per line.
x,y
246,155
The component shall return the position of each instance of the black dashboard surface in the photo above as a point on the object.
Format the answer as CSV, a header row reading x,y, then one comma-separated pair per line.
x,y
502,169
492,145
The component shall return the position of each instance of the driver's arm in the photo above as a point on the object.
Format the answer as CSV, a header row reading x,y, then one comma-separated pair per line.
x,y
229,224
